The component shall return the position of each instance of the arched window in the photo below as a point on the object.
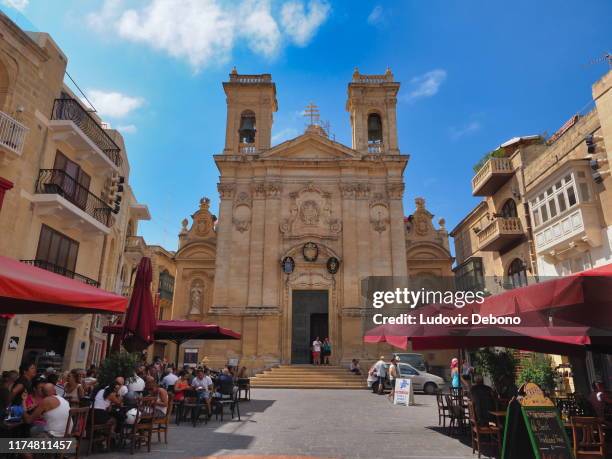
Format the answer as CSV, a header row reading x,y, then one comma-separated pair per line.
x,y
517,273
247,127
375,133
509,209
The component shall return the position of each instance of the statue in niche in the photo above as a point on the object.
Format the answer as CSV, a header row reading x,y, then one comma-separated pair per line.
x,y
195,298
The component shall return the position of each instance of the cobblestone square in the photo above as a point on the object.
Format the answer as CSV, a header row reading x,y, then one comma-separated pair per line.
x,y
343,424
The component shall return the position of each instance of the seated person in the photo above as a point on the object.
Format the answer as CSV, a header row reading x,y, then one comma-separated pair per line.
x,y
53,409
105,400
181,386
598,400
355,368
169,379
204,386
484,401
160,394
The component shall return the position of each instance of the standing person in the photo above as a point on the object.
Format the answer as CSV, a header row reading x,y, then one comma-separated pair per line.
x,y
316,351
454,366
466,374
27,372
380,368
393,373
327,350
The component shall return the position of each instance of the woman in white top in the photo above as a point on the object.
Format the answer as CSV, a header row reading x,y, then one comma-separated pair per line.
x,y
105,398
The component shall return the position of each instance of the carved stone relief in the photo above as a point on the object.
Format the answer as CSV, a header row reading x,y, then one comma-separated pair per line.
x,y
310,213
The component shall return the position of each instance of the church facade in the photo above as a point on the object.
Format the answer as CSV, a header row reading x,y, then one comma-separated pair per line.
x,y
300,225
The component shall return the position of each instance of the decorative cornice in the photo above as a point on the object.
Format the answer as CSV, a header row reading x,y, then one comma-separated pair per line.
x,y
226,190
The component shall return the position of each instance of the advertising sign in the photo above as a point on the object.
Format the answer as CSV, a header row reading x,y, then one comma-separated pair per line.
x,y
404,393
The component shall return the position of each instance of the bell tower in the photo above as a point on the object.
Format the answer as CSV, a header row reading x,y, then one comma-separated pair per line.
x,y
251,102
372,101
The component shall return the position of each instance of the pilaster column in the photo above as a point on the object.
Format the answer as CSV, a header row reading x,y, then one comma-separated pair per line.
x,y
224,241
256,266
271,263
396,224
350,255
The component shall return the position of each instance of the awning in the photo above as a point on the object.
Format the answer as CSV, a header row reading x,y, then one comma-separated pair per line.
x,y
566,315
183,330
26,289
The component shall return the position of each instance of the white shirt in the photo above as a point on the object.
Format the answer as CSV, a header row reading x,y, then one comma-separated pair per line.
x,y
123,390
316,346
381,371
204,383
57,418
137,384
100,403
170,379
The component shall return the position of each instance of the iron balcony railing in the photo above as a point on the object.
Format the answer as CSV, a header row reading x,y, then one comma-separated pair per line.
x,y
70,110
57,181
12,133
62,271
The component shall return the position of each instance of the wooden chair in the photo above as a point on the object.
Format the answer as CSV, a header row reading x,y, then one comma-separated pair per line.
x,y
142,429
588,437
76,427
161,424
193,406
455,413
443,409
99,432
476,431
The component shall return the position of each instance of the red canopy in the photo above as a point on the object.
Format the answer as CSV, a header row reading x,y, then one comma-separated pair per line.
x,y
579,308
26,289
139,323
182,330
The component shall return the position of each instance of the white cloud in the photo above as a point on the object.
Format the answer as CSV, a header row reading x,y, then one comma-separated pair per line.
x,y
301,26
16,4
127,129
284,134
113,104
204,32
260,29
376,16
469,128
427,85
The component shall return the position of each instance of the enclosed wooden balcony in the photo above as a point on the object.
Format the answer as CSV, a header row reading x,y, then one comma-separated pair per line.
x,y
500,233
493,174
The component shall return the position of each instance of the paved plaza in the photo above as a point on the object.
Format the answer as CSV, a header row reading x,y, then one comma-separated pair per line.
x,y
320,423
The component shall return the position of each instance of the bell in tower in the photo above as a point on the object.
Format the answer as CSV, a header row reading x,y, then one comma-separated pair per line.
x,y
251,102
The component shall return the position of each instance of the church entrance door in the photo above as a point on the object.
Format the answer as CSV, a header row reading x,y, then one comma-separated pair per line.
x,y
309,319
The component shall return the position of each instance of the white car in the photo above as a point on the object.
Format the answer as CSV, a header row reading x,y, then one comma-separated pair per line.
x,y
421,380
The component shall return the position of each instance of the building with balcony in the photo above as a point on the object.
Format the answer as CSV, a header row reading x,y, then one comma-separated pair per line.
x,y
60,159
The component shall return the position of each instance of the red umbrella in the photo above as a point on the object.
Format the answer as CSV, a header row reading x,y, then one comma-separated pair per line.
x,y
26,289
180,331
139,322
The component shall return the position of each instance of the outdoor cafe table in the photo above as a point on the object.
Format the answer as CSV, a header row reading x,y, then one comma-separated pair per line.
x,y
499,416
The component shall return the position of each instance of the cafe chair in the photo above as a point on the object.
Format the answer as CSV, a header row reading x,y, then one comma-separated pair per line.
x,y
76,427
229,397
102,433
443,409
493,432
142,429
160,425
244,385
193,406
588,437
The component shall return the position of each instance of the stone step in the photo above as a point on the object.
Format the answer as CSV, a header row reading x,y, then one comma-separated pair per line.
x,y
302,386
308,377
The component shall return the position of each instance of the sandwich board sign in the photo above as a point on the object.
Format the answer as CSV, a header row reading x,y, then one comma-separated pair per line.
x,y
533,428
404,393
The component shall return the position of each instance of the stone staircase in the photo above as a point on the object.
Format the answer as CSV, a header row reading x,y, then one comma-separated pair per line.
x,y
308,377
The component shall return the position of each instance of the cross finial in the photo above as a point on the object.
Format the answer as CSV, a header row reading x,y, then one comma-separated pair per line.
x,y
312,111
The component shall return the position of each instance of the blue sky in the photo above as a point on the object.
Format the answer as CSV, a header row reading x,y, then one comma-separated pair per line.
x,y
473,73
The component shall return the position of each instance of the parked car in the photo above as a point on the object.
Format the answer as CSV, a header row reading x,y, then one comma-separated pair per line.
x,y
421,380
415,360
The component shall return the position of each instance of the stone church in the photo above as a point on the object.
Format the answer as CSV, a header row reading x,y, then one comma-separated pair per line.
x,y
300,225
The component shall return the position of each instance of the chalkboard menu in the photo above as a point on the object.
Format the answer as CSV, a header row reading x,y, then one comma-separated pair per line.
x,y
547,433
533,429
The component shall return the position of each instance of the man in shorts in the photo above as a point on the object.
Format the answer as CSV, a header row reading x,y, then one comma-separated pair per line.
x,y
316,351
